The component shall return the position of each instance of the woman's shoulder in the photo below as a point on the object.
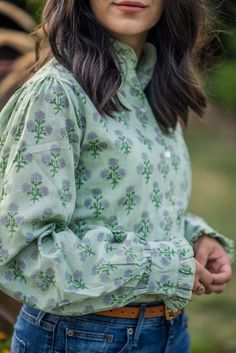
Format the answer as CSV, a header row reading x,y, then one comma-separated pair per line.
x,y
54,72
51,88
51,82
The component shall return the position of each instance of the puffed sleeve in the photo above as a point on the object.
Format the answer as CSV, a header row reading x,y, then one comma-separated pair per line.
x,y
41,260
196,226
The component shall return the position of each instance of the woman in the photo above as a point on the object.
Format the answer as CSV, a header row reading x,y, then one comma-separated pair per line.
x,y
95,239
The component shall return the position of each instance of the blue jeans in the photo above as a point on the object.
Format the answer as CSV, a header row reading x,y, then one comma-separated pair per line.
x,y
36,331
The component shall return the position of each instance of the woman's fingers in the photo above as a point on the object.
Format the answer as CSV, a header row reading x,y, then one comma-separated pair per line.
x,y
202,276
215,289
212,282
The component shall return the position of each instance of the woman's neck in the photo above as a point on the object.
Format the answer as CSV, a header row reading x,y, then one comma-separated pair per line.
x,y
136,42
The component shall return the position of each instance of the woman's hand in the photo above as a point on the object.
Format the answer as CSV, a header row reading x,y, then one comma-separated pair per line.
x,y
202,276
211,255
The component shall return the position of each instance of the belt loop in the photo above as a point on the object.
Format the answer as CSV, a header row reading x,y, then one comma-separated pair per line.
x,y
40,316
139,325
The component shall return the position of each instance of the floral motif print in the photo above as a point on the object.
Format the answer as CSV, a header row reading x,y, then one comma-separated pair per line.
x,y
124,118
16,271
93,204
3,160
64,192
82,174
35,189
53,160
22,158
94,145
4,253
130,200
103,122
145,226
114,173
12,220
39,127
44,279
145,140
69,132
123,143
57,99
16,131
156,195
80,119
75,280
136,90
142,117
86,249
166,222
146,168
163,166
97,202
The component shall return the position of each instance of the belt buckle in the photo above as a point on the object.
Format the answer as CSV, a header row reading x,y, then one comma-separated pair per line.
x,y
170,315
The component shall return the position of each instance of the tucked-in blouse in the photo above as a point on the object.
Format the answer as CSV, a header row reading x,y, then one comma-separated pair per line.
x,y
93,209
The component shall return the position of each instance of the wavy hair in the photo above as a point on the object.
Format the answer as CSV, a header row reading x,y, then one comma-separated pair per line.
x,y
80,44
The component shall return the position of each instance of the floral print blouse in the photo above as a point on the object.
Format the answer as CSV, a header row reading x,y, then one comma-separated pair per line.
x,y
93,210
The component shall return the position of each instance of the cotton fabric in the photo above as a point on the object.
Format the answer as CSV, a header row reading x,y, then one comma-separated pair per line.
x,y
93,210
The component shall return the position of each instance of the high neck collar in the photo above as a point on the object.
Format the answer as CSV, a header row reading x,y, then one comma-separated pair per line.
x,y
130,64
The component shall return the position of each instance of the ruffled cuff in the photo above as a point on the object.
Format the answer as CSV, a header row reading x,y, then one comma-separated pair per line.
x,y
172,272
196,227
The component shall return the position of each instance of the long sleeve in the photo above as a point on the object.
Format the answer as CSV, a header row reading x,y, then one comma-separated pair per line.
x,y
196,226
43,261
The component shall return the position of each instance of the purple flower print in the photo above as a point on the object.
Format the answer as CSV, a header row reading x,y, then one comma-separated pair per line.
x,y
100,236
36,190
48,129
104,277
96,191
46,159
75,280
36,177
96,202
51,303
53,160
128,273
13,207
94,145
88,203
165,261
25,188
146,168
82,174
118,282
114,173
66,183
30,126
9,276
55,149
12,220
145,226
57,99
130,200
39,115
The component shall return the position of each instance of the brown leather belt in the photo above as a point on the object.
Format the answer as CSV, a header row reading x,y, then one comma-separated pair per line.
x,y
130,312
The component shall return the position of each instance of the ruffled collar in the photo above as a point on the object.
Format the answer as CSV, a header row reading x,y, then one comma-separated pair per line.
x,y
130,64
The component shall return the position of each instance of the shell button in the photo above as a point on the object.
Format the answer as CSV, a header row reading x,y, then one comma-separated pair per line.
x,y
167,154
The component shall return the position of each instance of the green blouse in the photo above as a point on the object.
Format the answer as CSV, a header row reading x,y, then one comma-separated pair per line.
x,y
93,210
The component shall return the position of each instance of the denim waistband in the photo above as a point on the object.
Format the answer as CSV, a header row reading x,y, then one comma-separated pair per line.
x,y
49,321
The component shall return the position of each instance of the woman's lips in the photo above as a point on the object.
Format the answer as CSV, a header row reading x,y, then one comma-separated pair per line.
x,y
130,6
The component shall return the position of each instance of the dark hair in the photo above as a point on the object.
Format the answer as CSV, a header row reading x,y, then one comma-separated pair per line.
x,y
80,44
